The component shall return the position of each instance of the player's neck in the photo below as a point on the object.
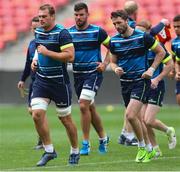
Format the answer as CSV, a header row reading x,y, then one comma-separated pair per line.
x,y
82,27
128,32
50,27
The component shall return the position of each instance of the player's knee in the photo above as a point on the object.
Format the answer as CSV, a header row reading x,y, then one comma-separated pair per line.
x,y
37,114
130,117
63,112
148,122
178,99
66,121
39,103
84,106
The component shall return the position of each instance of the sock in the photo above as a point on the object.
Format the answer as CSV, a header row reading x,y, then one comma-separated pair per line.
x,y
74,150
141,144
48,148
168,130
123,132
149,147
130,136
104,138
86,141
156,148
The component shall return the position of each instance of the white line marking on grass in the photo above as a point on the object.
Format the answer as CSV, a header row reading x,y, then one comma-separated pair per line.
x,y
81,164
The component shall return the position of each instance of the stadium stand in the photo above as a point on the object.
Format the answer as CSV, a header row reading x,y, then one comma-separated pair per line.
x,y
15,16
153,10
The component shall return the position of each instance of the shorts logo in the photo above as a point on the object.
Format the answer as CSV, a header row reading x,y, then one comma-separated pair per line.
x,y
61,104
86,86
152,101
135,96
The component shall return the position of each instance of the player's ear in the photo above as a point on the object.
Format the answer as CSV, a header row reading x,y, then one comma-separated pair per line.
x,y
53,16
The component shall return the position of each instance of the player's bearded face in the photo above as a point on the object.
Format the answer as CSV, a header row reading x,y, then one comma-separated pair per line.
x,y
120,25
45,19
177,27
122,29
81,17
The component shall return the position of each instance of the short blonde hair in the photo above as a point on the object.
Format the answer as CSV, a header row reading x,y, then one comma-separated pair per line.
x,y
130,7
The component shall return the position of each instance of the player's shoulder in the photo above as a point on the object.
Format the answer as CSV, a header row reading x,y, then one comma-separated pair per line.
x,y
72,28
93,26
176,40
39,29
57,28
115,37
32,41
139,32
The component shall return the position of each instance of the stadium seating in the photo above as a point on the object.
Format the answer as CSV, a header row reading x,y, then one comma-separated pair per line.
x,y
153,10
15,16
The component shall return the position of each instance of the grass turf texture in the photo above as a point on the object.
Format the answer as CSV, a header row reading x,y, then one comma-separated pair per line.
x,y
18,136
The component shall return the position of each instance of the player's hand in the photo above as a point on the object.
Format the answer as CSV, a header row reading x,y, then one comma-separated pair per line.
x,y
119,71
34,65
101,67
21,85
148,74
154,83
166,22
177,76
42,49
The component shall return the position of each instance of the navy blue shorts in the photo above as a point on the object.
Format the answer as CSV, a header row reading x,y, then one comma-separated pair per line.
x,y
135,90
61,94
90,81
177,91
156,96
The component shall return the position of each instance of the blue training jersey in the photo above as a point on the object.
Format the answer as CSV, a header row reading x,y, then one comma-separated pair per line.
x,y
131,22
175,47
87,45
55,40
151,55
29,56
131,53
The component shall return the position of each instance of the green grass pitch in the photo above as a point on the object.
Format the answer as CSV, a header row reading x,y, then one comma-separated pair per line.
x,y
18,136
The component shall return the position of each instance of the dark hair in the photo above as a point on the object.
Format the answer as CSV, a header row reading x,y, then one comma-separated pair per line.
x,y
80,6
176,18
35,19
119,13
50,8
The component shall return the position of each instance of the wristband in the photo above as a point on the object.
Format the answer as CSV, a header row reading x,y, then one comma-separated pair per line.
x,y
152,69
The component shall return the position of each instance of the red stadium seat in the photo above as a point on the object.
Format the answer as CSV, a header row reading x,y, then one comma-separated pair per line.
x,y
15,16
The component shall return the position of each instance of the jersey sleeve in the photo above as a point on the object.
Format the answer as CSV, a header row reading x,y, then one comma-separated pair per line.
x,y
65,39
27,67
167,56
111,47
156,29
103,37
131,23
149,41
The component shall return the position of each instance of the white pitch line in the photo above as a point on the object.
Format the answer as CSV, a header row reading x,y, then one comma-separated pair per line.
x,y
81,164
